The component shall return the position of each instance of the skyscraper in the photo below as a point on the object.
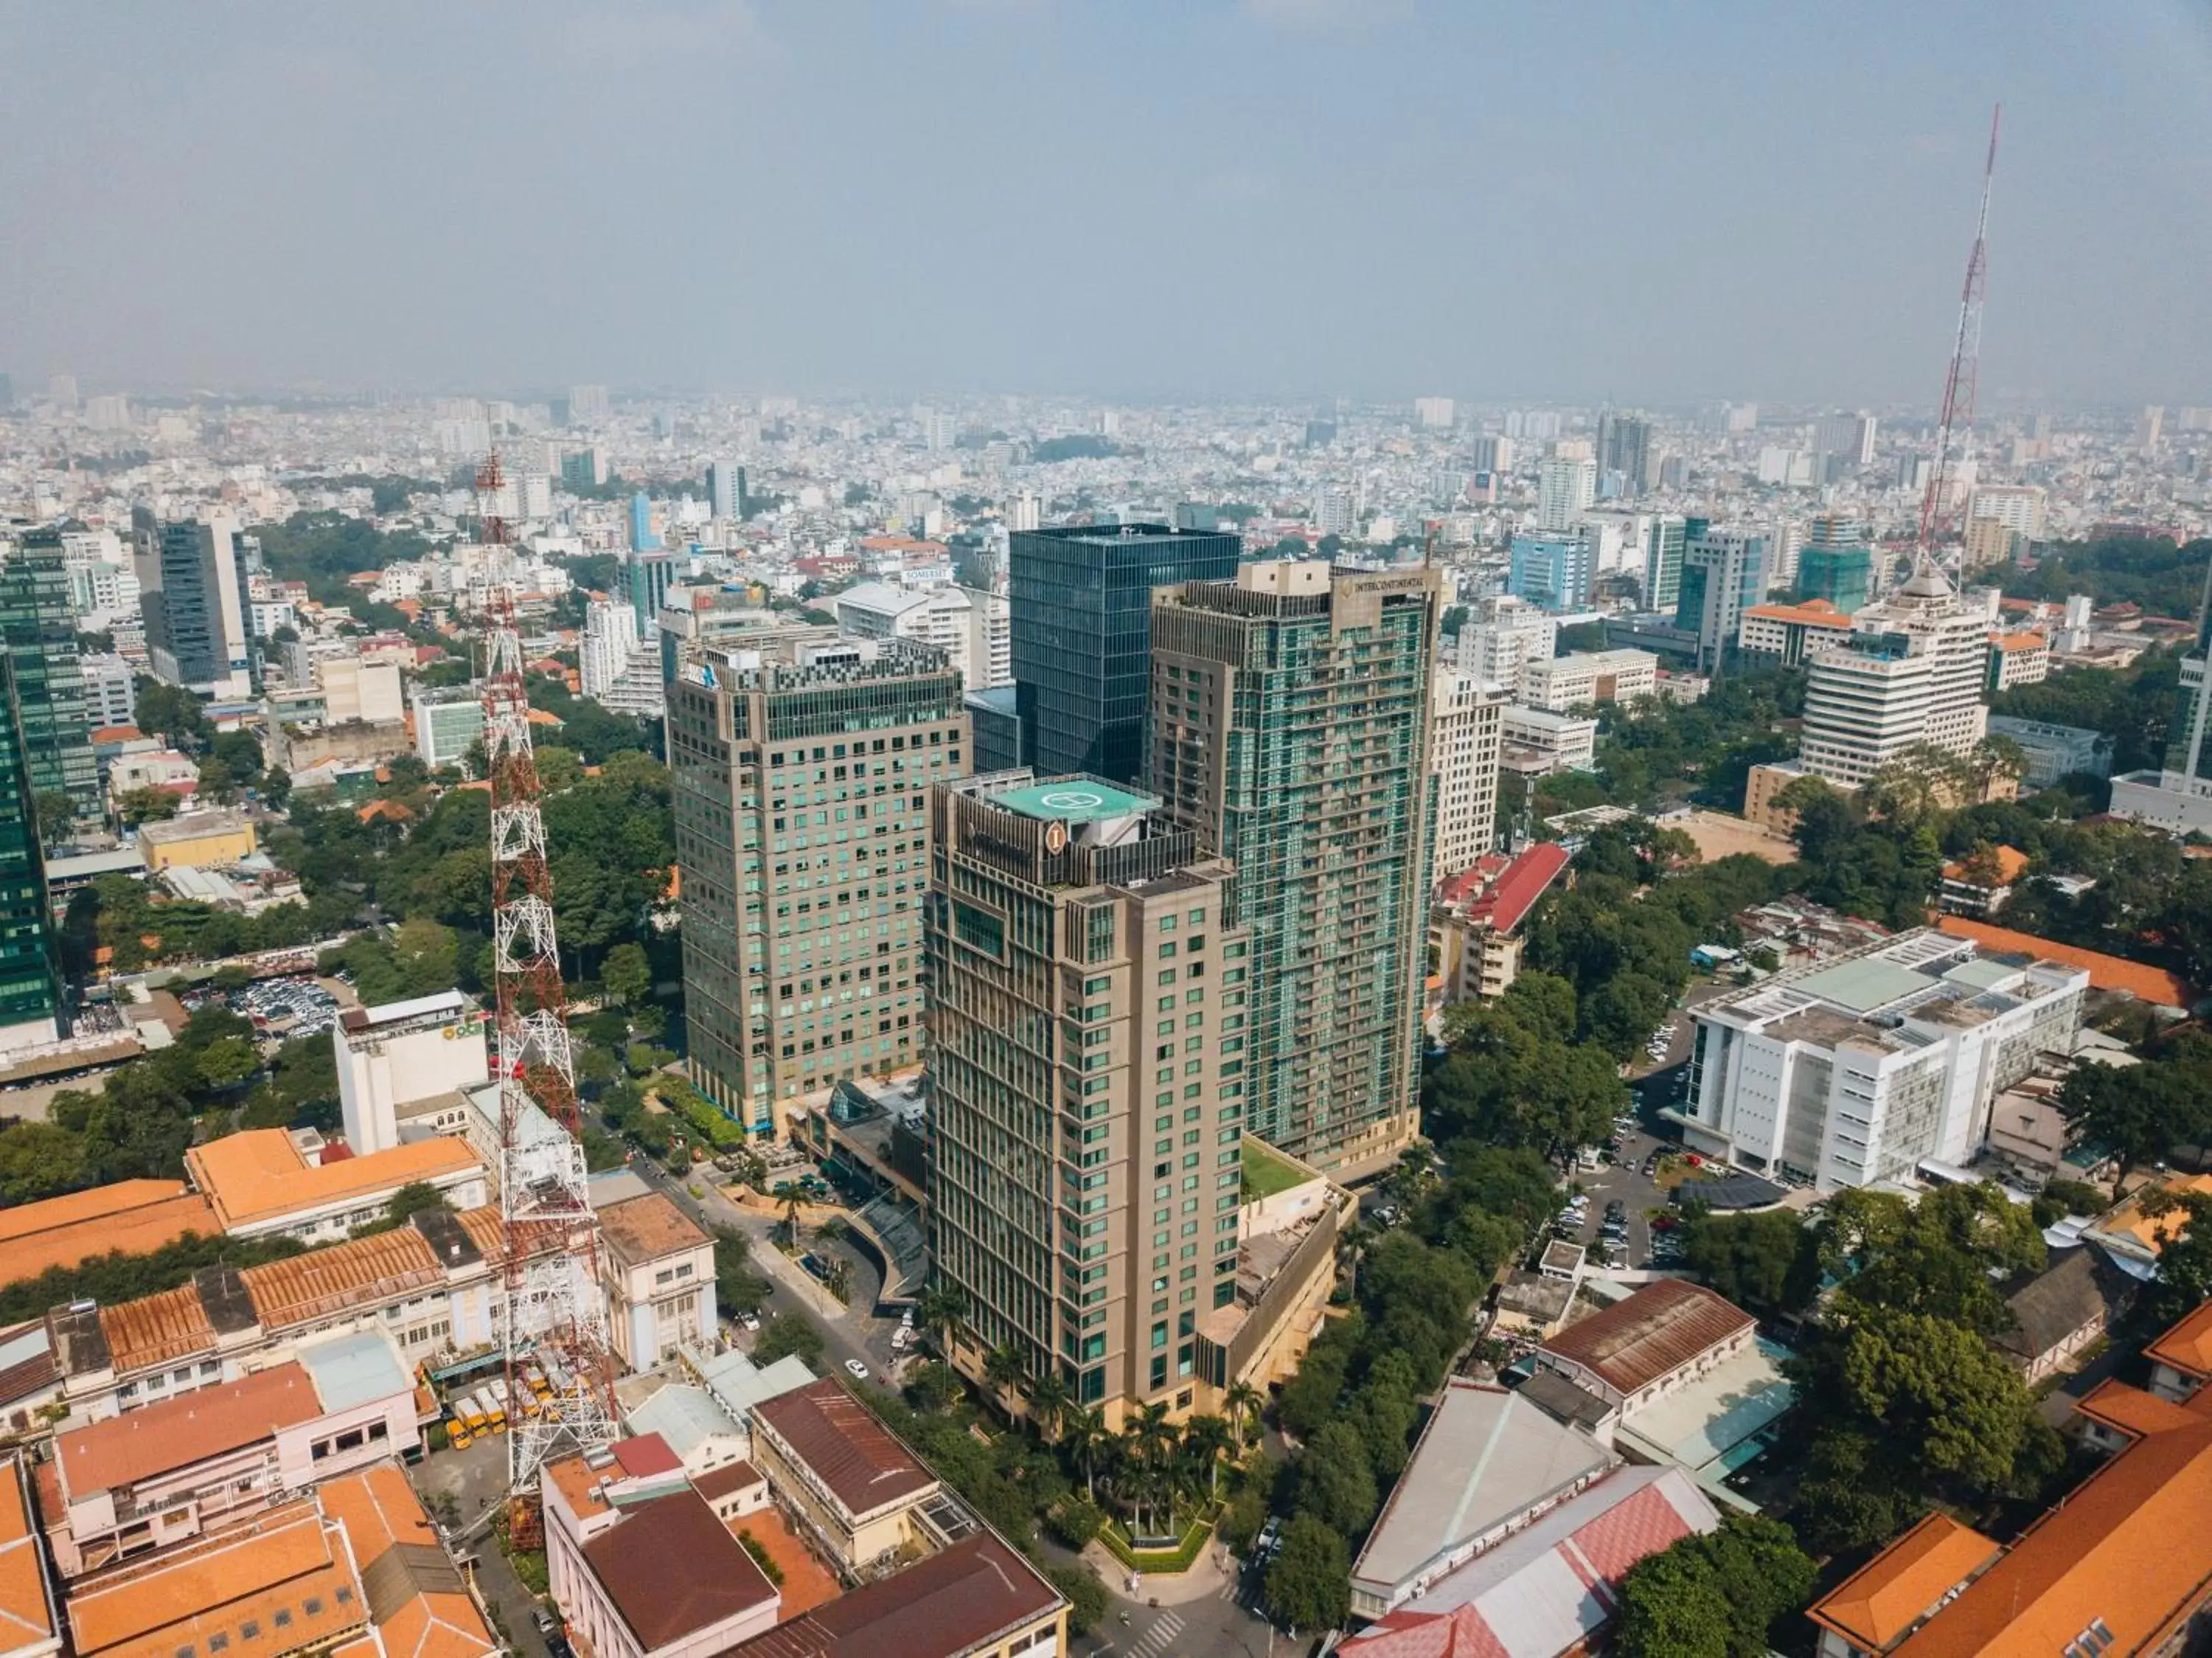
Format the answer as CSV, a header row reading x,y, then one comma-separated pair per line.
x,y
1664,538
1845,438
2179,796
641,536
40,632
646,577
1837,565
1080,620
726,489
30,973
192,594
1624,446
1289,730
802,762
1723,573
589,405
1565,490
1087,1097
1551,570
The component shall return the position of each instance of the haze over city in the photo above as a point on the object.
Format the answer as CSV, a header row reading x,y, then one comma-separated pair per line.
x,y
1282,198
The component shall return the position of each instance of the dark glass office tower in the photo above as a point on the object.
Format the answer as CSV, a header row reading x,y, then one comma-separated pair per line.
x,y
30,976
1080,601
39,632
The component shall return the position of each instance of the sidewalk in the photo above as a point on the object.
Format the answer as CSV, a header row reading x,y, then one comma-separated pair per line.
x,y
1203,1581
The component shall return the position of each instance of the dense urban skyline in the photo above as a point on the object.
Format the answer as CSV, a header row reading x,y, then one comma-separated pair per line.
x,y
1292,199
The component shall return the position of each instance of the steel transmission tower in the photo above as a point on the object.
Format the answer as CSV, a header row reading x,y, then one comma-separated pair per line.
x,y
1956,426
554,1310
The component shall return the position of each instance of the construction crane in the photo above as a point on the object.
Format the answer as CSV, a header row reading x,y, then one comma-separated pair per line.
x,y
553,1313
1955,427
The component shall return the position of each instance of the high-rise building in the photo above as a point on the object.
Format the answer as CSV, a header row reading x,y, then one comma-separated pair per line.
x,y
2018,507
1332,511
1624,447
1434,413
1837,565
1290,727
1087,1090
968,623
30,971
7,391
1506,634
1024,511
641,536
583,469
802,764
61,391
646,577
1723,574
2178,797
1845,438
604,653
726,489
589,405
1080,621
1320,433
1466,725
1551,570
1491,454
1664,536
38,629
191,593
110,691
939,431
2149,426
1911,673
448,720
1565,490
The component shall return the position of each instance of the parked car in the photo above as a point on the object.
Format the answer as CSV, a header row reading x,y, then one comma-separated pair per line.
x,y
859,1370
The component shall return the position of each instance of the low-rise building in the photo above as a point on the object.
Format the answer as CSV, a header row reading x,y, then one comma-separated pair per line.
x,y
1475,923
2062,1312
1648,1345
1979,885
1763,783
2122,1564
1286,1236
975,1598
274,1182
1537,743
1786,635
1801,934
160,1476
1854,1072
1582,679
30,1613
855,1486
2018,659
659,1269
2053,752
197,840
2132,1232
131,1217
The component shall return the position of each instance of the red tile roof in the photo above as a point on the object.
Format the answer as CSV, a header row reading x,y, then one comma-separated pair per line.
x,y
963,1599
179,1432
860,1459
1654,1332
673,1570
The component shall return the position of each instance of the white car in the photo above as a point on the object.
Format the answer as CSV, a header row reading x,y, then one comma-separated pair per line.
x,y
899,1338
751,1321
859,1370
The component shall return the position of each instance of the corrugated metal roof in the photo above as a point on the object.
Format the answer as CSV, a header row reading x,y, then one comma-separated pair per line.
x,y
1653,1333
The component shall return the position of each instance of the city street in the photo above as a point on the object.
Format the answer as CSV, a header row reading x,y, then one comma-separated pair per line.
x,y
476,1479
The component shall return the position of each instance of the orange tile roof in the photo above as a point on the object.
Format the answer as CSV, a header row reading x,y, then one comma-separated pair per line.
x,y
1878,1603
2129,1549
2188,1346
2012,863
27,1606
379,1512
646,1227
259,1175
156,1329
2019,641
64,1232
181,1431
283,1576
2155,1231
2106,972
1814,612
2130,1410
322,1281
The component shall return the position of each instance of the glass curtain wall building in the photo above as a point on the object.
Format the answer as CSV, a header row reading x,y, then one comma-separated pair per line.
x,y
802,769
1080,615
1290,730
30,971
40,632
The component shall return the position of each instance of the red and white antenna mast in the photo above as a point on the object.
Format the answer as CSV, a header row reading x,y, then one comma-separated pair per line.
x,y
555,1315
1956,424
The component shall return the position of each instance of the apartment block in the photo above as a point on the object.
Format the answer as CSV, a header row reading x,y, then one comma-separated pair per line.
x,y
1466,723
1859,1070
1911,672
1089,1074
1582,678
802,772
1290,731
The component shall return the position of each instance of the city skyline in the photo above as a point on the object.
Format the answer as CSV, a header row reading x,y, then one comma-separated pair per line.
x,y
1740,202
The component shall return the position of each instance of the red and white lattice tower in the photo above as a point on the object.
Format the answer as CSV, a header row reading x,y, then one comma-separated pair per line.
x,y
1954,427
555,1315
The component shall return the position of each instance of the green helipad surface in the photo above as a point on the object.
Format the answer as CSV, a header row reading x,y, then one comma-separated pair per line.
x,y
1074,800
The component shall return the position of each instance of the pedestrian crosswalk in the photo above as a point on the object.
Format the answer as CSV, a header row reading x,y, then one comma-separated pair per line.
x,y
1155,1641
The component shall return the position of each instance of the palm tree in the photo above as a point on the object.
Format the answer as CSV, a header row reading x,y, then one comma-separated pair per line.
x,y
1083,1432
1351,1246
792,1201
1004,1369
1205,1439
1152,1442
1050,1400
1245,1403
942,1310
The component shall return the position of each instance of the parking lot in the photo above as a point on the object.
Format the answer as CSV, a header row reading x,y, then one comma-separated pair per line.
x,y
295,1006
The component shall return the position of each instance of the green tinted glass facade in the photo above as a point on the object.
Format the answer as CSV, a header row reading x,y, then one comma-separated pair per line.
x,y
30,981
1080,615
40,634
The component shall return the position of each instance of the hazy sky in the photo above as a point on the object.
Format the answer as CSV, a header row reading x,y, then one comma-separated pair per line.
x,y
1649,202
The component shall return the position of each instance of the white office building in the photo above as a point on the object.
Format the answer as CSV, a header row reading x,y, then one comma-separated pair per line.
x,y
1536,741
1466,731
970,627
448,720
110,694
1862,1069
1509,634
1583,677
610,637
404,1067
1564,488
1911,672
